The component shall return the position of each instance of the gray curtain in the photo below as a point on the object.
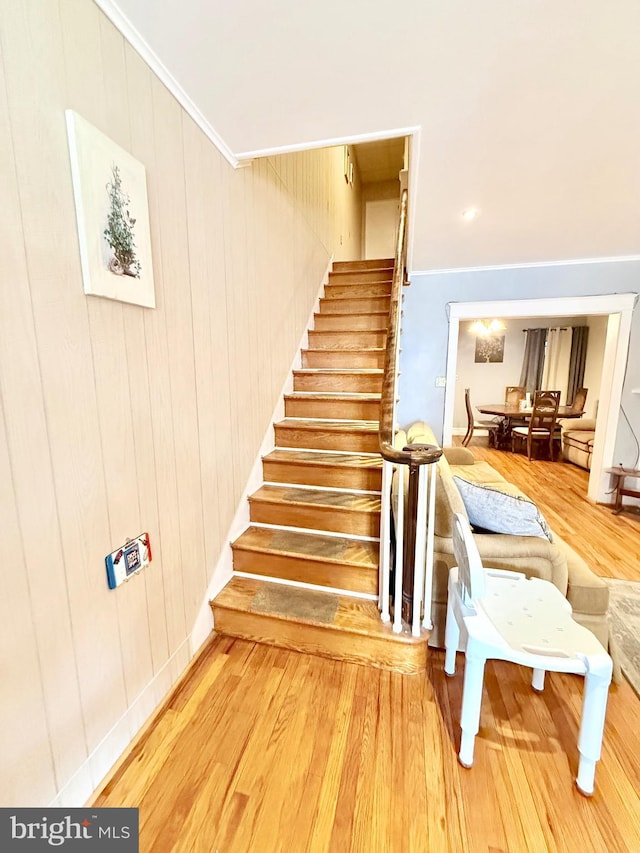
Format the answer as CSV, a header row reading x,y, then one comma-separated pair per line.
x,y
533,361
579,342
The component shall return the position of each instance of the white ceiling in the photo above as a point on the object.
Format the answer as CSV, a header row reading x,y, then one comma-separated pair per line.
x,y
528,110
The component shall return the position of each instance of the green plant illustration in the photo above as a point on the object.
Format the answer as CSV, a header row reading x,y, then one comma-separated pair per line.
x,y
119,231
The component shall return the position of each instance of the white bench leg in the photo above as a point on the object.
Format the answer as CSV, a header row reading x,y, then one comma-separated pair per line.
x,y
471,703
594,708
537,681
451,638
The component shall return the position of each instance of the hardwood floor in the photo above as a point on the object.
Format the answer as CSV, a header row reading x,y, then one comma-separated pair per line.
x,y
609,543
265,749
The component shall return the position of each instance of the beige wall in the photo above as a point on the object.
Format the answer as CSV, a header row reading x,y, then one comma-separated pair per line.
x,y
380,210
331,207
116,419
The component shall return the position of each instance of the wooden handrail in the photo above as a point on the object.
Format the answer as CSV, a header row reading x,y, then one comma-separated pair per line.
x,y
412,455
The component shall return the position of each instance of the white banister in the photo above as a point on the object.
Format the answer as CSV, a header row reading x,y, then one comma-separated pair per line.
x,y
397,595
384,571
421,541
430,526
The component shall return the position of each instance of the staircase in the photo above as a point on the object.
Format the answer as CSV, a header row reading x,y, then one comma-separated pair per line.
x,y
315,520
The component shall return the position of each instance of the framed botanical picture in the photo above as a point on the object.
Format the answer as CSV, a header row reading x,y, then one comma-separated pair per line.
x,y
112,212
489,350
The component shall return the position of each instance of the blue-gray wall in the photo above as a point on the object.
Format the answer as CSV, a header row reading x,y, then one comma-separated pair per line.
x,y
426,329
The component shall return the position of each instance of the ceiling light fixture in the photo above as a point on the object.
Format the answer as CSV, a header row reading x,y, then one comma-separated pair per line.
x,y
486,327
470,214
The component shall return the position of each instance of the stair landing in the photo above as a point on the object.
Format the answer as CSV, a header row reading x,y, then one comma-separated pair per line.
x,y
316,622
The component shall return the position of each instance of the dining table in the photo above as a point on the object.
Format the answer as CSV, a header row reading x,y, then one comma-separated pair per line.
x,y
509,414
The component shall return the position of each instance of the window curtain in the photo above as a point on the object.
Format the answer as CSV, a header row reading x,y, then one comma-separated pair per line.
x,y
577,361
555,374
533,360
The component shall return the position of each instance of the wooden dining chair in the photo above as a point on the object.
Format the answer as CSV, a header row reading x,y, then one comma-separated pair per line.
x,y
473,423
513,394
579,400
541,424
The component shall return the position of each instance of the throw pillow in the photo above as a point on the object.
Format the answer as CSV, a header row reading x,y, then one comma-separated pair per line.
x,y
501,509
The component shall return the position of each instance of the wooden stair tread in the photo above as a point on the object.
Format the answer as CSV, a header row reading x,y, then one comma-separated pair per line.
x,y
325,457
382,314
349,359
335,626
357,615
334,499
324,467
361,553
359,303
355,303
328,404
328,424
334,396
365,371
370,263
345,350
350,290
339,321
347,290
354,277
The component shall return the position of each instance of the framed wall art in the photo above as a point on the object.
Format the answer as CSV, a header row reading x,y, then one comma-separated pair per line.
x,y
112,212
489,350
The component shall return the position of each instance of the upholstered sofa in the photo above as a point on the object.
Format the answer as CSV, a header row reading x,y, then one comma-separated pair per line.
x,y
577,440
535,554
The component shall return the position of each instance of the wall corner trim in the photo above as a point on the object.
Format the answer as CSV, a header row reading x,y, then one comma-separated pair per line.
x,y
374,136
131,34
526,265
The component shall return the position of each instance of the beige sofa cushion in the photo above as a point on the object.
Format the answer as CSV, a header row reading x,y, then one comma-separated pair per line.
x,y
573,424
480,472
581,439
587,593
448,500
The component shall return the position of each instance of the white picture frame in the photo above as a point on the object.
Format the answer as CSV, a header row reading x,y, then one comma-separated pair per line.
x,y
112,213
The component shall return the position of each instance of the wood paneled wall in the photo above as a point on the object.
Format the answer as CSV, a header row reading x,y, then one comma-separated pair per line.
x,y
116,419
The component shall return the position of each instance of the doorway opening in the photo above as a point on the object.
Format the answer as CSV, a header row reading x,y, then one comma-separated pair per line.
x,y
618,310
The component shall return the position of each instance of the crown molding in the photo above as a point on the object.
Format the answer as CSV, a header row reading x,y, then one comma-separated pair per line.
x,y
374,136
528,265
137,42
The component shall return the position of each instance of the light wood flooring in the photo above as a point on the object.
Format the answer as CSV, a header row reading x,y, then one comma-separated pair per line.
x,y
609,543
265,749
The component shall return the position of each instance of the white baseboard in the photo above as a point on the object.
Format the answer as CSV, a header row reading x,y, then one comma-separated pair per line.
x,y
91,773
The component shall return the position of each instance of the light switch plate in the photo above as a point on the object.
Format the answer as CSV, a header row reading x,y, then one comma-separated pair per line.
x,y
128,560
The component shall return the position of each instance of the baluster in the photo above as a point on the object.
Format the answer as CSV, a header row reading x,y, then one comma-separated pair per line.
x,y
421,538
397,595
384,572
428,575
